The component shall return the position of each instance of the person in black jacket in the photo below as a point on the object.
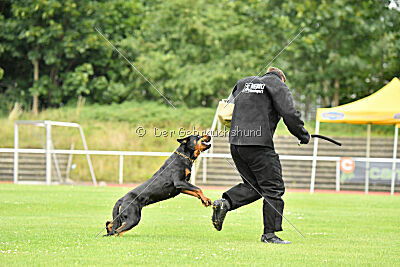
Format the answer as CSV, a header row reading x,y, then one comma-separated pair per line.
x,y
260,102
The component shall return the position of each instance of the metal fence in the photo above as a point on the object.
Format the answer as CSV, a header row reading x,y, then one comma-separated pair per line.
x,y
122,154
49,152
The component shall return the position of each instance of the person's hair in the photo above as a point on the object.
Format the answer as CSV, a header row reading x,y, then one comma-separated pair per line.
x,y
280,72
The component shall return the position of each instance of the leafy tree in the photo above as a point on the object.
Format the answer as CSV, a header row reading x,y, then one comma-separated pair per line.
x,y
57,37
195,51
192,51
342,55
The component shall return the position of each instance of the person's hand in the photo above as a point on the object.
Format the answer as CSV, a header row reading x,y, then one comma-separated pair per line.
x,y
305,140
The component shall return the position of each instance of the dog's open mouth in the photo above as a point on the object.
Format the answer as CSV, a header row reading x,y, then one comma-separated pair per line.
x,y
206,142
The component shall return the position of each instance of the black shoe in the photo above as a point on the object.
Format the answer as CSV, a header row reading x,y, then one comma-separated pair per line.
x,y
272,238
220,208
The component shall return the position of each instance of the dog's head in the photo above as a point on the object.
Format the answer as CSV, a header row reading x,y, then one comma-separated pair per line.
x,y
196,143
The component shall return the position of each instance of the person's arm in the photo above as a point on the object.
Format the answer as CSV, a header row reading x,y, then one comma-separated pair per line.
x,y
283,102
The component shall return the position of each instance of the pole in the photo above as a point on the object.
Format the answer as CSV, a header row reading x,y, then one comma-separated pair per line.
x,y
68,170
314,161
121,169
15,153
368,156
56,164
87,155
204,169
213,130
396,134
337,175
48,154
214,123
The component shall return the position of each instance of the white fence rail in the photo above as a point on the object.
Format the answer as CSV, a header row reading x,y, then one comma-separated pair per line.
x,y
122,154
50,152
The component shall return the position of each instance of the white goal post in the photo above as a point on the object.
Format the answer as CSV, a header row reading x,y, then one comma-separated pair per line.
x,y
49,146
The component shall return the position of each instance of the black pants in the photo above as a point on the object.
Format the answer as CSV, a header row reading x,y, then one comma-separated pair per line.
x,y
260,168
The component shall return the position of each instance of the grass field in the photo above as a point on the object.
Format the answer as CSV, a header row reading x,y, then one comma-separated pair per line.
x,y
57,225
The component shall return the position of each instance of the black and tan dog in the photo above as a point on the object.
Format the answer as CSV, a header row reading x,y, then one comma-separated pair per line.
x,y
169,181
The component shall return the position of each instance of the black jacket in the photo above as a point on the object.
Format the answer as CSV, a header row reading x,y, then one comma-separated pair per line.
x,y
260,102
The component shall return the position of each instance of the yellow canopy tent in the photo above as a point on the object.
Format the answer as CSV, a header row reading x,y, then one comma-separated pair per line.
x,y
381,107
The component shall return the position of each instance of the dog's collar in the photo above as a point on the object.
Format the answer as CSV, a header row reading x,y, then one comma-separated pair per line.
x,y
186,157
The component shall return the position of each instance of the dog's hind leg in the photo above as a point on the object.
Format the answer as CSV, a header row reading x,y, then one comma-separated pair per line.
x,y
113,226
129,218
109,226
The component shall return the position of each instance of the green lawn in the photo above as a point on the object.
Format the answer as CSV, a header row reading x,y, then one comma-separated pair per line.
x,y
57,225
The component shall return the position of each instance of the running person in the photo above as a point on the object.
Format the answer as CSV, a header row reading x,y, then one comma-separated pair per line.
x,y
260,102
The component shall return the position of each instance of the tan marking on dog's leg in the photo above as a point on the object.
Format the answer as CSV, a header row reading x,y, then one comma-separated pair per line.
x,y
123,232
199,194
110,225
203,198
119,228
191,193
187,172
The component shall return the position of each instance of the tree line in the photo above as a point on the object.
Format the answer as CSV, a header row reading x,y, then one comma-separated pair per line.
x,y
193,51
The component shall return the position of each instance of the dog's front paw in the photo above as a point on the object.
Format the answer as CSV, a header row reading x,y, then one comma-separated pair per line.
x,y
206,201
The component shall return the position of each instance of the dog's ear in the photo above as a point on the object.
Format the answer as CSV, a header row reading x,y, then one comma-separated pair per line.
x,y
183,140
